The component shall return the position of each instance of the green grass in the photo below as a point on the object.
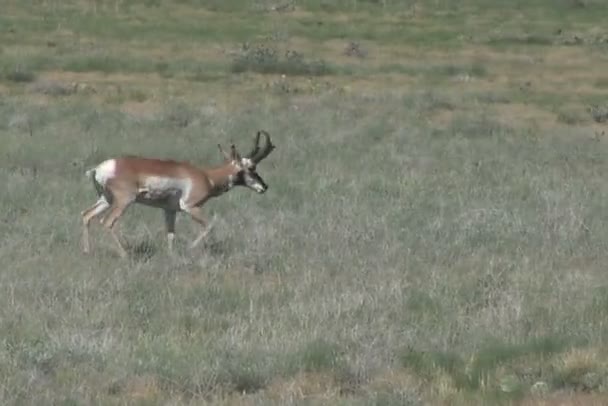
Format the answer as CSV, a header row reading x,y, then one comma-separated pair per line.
x,y
451,239
434,231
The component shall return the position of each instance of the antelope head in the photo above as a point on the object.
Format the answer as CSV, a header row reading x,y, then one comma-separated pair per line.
x,y
244,168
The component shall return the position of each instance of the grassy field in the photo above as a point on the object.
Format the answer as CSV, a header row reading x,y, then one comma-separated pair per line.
x,y
435,231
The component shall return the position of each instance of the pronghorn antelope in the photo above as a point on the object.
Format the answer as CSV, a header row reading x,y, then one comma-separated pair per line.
x,y
169,185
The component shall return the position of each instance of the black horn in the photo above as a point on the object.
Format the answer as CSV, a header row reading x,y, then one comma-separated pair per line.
x,y
258,153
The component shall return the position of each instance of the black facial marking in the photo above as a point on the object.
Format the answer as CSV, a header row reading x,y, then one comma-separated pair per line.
x,y
239,180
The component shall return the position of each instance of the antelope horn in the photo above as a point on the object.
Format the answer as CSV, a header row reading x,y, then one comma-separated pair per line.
x,y
257,154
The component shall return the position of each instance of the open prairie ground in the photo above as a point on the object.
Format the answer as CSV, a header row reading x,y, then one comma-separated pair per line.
x,y
435,231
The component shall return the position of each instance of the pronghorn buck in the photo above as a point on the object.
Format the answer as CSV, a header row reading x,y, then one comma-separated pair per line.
x,y
169,185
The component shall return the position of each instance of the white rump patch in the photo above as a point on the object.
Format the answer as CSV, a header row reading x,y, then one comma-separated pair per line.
x,y
105,170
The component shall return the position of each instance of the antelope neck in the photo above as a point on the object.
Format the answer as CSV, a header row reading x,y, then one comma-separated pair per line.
x,y
220,178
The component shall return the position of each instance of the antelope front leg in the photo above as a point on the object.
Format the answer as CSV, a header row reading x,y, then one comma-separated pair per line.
x,y
170,227
197,215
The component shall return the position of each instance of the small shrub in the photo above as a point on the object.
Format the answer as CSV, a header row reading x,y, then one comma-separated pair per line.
x,y
599,113
569,117
179,115
138,95
429,102
517,39
482,365
579,369
243,376
162,68
52,88
93,63
427,363
495,354
315,356
354,49
241,373
20,74
266,60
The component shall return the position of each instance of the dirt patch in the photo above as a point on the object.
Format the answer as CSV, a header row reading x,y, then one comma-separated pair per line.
x,y
392,379
179,50
443,118
306,385
98,77
575,399
143,110
524,115
143,387
564,57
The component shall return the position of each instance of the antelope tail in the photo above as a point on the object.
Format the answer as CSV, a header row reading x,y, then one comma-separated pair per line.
x,y
91,174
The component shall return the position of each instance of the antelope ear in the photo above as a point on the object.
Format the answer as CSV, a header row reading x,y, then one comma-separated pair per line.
x,y
234,154
224,154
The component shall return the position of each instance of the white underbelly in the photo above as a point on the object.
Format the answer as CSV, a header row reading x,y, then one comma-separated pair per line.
x,y
158,183
163,192
164,201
